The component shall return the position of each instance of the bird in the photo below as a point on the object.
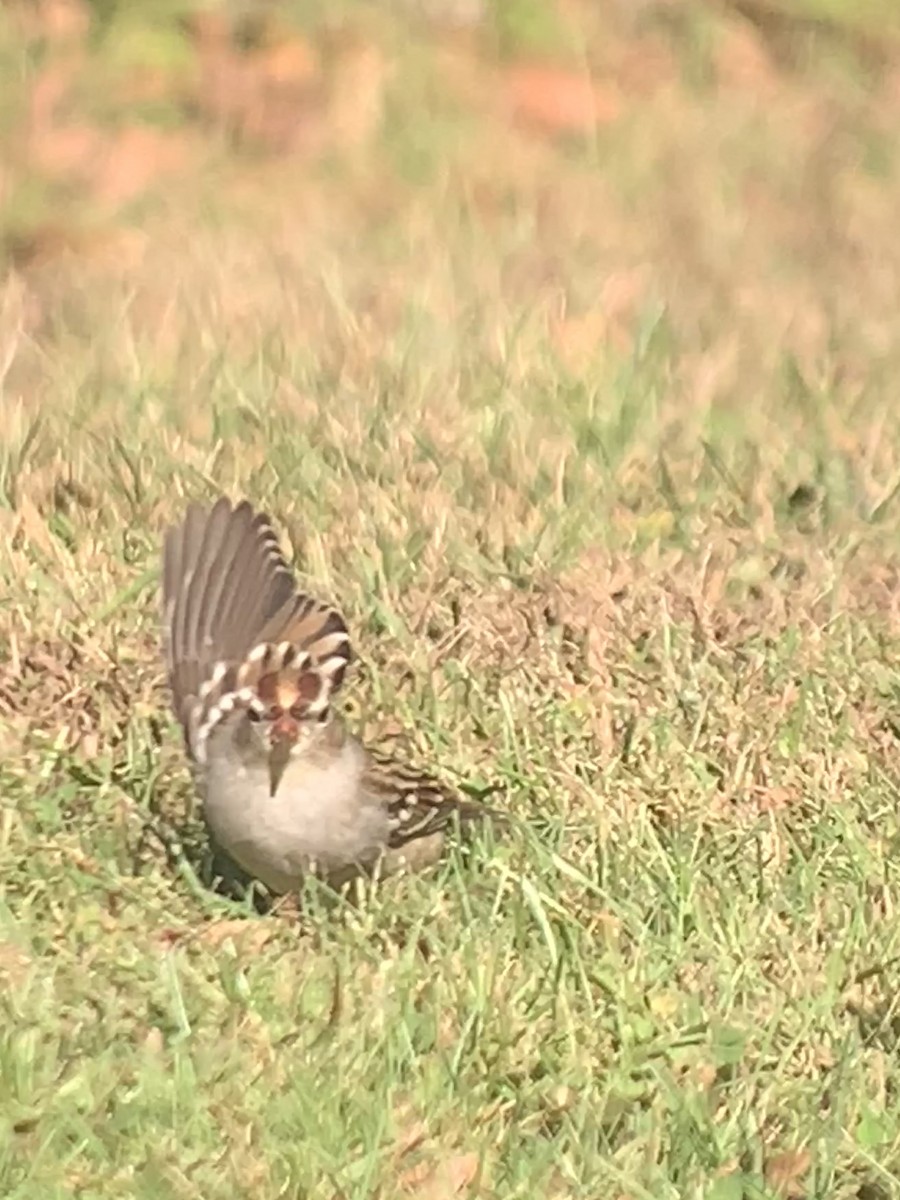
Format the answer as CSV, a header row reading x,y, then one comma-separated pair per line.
x,y
253,667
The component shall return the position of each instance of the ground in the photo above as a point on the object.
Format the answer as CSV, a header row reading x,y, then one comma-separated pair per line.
x,y
561,341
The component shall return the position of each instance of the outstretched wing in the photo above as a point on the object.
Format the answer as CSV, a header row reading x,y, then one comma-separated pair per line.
x,y
227,591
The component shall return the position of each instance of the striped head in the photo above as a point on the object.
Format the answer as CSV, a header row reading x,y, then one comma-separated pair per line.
x,y
275,704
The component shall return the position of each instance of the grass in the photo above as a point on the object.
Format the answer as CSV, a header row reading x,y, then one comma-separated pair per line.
x,y
594,440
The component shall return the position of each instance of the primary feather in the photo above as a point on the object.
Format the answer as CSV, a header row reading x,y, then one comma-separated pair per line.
x,y
228,589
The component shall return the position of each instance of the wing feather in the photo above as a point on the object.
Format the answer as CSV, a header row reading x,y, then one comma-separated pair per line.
x,y
227,589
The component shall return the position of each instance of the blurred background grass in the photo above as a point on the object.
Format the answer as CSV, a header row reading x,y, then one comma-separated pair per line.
x,y
560,340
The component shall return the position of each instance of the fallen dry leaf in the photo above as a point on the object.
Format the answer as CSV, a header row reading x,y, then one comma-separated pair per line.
x,y
785,1173
41,244
410,1139
774,799
743,62
65,150
250,935
269,94
357,95
579,337
15,965
53,20
154,1042
555,100
440,1181
137,157
645,66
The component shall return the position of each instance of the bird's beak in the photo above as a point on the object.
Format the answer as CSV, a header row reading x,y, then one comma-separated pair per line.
x,y
279,756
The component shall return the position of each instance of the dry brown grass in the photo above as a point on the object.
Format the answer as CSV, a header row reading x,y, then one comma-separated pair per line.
x,y
579,401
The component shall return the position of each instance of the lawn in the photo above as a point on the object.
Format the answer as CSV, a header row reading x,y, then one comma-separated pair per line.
x,y
561,343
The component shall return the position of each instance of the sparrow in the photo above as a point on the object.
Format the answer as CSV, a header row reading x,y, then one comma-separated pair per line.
x,y
253,667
